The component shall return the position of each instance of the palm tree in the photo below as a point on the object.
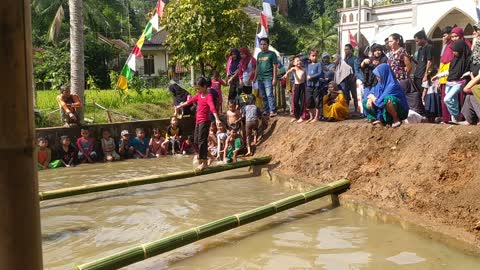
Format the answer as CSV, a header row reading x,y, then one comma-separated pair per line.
x,y
77,68
322,35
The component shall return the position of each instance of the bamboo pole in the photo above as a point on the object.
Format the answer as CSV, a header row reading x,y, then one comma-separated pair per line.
x,y
73,191
145,251
20,237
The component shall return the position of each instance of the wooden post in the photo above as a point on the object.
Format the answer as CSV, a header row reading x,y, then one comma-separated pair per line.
x,y
20,239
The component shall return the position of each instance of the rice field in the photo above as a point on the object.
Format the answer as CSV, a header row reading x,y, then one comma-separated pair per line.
x,y
150,104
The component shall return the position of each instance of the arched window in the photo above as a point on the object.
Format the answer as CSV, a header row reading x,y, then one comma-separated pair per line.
x,y
368,16
344,18
437,33
468,31
350,18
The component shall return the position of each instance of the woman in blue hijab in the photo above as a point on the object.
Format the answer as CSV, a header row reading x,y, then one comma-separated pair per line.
x,y
387,102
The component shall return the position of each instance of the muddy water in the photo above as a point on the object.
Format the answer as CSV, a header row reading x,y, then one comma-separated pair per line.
x,y
80,229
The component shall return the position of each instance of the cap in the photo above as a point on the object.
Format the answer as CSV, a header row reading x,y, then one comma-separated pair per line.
x,y
124,132
325,54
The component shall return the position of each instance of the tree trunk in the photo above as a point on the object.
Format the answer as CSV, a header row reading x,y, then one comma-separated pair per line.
x,y
202,67
77,74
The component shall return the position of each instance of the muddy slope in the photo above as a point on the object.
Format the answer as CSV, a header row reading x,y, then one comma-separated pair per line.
x,y
429,171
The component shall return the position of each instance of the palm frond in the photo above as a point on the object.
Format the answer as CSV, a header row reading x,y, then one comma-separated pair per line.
x,y
56,25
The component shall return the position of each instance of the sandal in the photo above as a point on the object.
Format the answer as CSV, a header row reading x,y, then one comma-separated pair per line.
x,y
376,123
396,124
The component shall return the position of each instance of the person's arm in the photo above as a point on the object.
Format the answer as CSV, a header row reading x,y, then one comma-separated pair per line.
x,y
440,75
254,67
429,62
90,149
255,76
188,102
424,94
408,64
213,110
222,82
79,145
356,70
318,73
225,148
103,145
121,146
274,81
147,153
77,103
63,106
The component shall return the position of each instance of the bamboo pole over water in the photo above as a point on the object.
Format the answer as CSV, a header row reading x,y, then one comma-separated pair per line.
x,y
73,191
145,251
20,237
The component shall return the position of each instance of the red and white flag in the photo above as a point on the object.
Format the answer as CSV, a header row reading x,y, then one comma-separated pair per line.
x,y
353,40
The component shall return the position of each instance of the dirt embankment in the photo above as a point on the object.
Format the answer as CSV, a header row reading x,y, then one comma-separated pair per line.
x,y
430,173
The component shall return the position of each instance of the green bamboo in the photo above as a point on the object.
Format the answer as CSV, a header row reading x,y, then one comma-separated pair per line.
x,y
169,243
153,179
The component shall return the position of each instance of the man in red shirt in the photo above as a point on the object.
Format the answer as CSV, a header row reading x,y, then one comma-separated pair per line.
x,y
69,104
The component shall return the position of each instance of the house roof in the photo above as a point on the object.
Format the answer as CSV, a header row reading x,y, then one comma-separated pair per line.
x,y
117,43
157,39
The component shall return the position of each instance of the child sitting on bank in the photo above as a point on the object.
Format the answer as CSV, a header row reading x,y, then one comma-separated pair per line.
x,y
140,144
44,154
173,136
217,84
158,143
221,139
233,145
66,152
86,147
187,147
252,115
234,117
108,147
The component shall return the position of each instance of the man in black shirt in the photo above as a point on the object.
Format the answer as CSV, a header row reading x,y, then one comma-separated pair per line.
x,y
424,62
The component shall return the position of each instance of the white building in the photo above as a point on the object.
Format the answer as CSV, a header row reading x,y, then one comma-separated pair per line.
x,y
381,18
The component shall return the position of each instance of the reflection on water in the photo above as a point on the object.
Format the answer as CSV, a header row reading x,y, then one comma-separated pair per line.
x,y
80,229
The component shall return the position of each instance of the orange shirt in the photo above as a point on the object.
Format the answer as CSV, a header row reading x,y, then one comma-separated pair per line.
x,y
69,104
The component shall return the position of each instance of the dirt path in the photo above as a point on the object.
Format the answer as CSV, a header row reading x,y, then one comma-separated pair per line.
x,y
429,172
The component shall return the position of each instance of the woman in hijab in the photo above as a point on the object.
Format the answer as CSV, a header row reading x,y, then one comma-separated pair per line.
x,y
459,66
232,72
343,73
367,65
179,95
335,107
475,63
458,34
387,103
246,70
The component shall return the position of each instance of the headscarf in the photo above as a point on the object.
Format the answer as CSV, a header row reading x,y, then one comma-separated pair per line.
x,y
382,58
232,64
245,61
342,70
388,86
179,94
476,47
461,35
460,64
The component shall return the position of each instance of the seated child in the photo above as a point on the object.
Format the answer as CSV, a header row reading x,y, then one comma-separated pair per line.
x,y
335,107
233,145
108,147
234,118
187,147
221,139
86,147
44,154
140,144
125,145
66,152
173,136
158,144
252,114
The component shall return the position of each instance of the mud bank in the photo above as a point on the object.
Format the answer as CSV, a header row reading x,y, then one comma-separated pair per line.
x,y
427,174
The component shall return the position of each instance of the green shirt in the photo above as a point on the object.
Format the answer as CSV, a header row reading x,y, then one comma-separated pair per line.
x,y
265,62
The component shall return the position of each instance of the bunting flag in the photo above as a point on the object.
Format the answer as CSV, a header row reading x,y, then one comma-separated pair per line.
x,y
263,33
271,2
130,66
353,41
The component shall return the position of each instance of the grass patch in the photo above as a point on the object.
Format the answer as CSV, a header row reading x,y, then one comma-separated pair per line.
x,y
149,104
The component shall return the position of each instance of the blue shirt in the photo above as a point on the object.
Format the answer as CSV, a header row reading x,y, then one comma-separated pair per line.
x,y
314,70
139,146
355,65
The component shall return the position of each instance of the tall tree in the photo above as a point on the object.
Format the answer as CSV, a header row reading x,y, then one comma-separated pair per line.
x,y
322,35
77,69
331,7
201,32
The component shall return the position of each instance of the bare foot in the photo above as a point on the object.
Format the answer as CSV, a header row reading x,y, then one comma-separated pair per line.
x,y
201,167
293,120
314,120
300,120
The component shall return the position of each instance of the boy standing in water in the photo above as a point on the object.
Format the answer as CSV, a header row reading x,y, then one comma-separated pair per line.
x,y
44,155
86,147
173,135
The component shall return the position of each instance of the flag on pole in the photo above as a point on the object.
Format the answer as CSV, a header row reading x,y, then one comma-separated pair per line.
x,y
263,33
130,66
271,2
353,41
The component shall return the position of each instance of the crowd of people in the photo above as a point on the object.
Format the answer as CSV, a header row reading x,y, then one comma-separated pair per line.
x,y
385,85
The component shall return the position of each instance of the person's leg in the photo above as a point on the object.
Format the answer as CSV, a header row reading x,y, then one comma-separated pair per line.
x,y
353,92
263,94
309,100
203,144
468,110
248,136
346,92
303,101
296,102
392,111
270,96
451,99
